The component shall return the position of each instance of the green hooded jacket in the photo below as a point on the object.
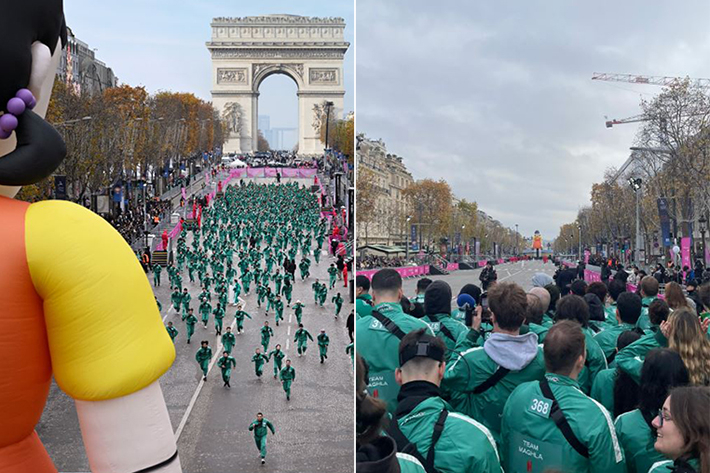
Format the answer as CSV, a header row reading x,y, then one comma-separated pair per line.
x,y
637,440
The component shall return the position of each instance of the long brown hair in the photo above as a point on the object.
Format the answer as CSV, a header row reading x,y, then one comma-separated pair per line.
x,y
687,338
689,409
675,297
371,412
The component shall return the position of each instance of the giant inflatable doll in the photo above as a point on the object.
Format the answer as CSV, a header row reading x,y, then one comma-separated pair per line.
x,y
74,302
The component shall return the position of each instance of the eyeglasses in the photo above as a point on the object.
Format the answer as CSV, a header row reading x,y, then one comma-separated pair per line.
x,y
663,418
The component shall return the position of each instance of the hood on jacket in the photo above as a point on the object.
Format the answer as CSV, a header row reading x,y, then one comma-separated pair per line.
x,y
596,308
513,352
379,456
437,298
542,280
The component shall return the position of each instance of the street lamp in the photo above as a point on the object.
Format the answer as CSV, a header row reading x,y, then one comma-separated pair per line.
x,y
579,250
517,251
703,228
328,105
409,217
635,184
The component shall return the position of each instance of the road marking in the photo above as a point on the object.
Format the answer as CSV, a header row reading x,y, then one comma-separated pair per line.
x,y
190,406
288,335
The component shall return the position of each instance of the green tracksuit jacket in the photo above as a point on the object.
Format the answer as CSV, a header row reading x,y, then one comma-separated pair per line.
x,y
472,368
603,388
630,358
532,443
260,431
607,338
637,441
380,349
454,328
595,362
228,341
465,445
363,306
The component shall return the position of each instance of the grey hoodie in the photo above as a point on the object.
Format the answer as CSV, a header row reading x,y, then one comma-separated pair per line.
x,y
542,280
513,352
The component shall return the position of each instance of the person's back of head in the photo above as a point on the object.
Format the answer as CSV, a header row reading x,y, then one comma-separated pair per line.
x,y
663,369
578,287
386,286
616,288
362,283
421,358
423,284
688,339
596,307
690,427
574,308
704,294
629,307
649,286
437,298
509,304
473,291
598,288
554,292
543,295
563,347
534,313
658,311
674,296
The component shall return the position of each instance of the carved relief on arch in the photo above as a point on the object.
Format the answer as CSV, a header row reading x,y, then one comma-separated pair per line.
x,y
258,71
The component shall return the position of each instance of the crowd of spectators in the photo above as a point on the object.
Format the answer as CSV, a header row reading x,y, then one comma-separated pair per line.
x,y
376,262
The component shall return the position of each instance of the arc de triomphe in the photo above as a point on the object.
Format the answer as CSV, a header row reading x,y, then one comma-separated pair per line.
x,y
247,50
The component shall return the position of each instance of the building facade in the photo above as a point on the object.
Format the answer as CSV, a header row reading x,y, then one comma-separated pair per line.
x,y
390,177
81,71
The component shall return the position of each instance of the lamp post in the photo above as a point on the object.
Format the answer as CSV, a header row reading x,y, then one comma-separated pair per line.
x,y
636,186
517,250
328,105
579,250
409,218
703,228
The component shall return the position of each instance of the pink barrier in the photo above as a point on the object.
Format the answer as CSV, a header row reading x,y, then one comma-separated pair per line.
x,y
592,276
406,272
290,172
501,261
270,172
307,172
482,264
237,173
452,267
255,172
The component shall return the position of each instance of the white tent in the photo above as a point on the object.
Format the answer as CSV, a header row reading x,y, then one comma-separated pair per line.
x,y
237,163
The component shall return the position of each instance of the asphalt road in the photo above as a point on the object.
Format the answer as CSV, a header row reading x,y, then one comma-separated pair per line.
x,y
314,430
520,273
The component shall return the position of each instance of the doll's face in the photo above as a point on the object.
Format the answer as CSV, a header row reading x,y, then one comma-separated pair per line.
x,y
44,68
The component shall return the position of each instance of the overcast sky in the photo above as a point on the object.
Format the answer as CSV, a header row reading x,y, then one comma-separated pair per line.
x,y
496,97
161,44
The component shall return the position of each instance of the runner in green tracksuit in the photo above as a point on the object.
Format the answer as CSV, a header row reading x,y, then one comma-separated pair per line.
x,y
316,291
287,292
226,363
301,336
218,313
172,331
332,274
323,294
287,375
259,359
323,341
203,357
380,348
228,340
530,439
350,349
157,269
239,317
338,301
279,308
260,426
237,291
186,298
278,357
298,310
266,333
205,309
176,299
190,322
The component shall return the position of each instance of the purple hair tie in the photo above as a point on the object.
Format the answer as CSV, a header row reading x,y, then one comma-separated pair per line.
x,y
16,106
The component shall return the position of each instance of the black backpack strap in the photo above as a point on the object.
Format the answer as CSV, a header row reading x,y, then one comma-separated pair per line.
x,y
491,381
560,420
388,324
405,446
443,328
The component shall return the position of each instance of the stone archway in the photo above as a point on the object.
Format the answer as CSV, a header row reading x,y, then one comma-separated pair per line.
x,y
245,51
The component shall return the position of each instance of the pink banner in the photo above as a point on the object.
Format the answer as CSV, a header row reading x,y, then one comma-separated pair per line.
x,y
307,172
592,276
207,178
237,173
452,267
270,172
255,172
184,194
406,272
685,252
482,263
290,172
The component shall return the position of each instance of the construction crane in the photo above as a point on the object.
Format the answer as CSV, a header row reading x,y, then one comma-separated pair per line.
x,y
648,80
645,80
